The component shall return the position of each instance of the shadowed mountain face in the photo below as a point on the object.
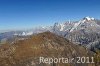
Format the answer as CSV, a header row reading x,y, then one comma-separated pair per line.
x,y
27,52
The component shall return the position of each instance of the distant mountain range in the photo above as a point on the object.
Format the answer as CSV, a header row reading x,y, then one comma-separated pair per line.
x,y
85,32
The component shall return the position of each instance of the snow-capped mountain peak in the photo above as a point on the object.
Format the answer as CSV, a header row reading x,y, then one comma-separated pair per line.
x,y
86,21
88,18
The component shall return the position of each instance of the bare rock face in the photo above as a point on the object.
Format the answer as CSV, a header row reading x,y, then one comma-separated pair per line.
x,y
27,52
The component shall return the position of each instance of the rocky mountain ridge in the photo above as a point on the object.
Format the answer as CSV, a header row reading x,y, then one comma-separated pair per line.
x,y
48,45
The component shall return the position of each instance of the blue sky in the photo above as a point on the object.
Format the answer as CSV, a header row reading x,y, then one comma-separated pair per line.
x,y
20,14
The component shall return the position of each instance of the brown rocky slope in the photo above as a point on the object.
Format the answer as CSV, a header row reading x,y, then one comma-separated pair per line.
x,y
27,52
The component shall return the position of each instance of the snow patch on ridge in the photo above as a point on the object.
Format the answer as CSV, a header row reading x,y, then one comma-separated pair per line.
x,y
77,24
62,27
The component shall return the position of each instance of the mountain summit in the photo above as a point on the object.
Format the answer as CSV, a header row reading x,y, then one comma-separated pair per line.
x,y
88,18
